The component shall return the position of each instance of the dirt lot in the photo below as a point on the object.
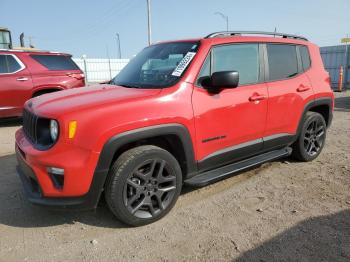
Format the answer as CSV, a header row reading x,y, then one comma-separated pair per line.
x,y
282,211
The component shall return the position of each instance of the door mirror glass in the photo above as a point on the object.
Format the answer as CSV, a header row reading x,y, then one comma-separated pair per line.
x,y
221,80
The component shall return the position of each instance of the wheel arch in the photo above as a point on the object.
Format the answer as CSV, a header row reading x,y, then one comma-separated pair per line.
x,y
46,90
174,138
323,105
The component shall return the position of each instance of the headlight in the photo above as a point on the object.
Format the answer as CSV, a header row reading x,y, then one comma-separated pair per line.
x,y
53,130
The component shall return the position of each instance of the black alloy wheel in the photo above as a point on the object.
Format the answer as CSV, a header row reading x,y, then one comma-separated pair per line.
x,y
314,136
143,185
311,139
149,189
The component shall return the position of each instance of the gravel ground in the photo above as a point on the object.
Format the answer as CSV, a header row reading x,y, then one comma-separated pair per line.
x,y
281,211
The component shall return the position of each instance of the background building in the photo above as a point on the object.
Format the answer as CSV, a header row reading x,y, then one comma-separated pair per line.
x,y
333,57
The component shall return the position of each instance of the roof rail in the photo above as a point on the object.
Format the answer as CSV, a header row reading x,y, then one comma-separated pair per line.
x,y
33,51
233,33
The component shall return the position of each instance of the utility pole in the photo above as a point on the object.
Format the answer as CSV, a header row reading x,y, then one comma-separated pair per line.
x,y
149,22
85,68
224,17
119,49
109,63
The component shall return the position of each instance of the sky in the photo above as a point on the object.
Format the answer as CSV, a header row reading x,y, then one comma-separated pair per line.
x,y
86,27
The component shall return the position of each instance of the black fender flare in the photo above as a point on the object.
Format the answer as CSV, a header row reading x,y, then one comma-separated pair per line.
x,y
317,102
119,140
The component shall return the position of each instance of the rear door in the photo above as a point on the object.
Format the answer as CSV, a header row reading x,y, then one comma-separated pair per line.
x,y
230,124
289,90
15,85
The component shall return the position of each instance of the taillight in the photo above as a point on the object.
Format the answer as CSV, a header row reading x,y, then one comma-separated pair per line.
x,y
76,76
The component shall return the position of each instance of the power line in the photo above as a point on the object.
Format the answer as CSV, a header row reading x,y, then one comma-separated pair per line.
x,y
97,28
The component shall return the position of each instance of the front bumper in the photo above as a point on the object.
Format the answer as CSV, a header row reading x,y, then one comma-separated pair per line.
x,y
40,189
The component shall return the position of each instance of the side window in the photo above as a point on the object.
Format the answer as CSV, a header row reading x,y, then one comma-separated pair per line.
x,y
8,64
3,65
205,70
12,64
56,62
305,57
283,62
243,58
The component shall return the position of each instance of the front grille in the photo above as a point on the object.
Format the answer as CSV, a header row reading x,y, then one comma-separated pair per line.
x,y
37,130
30,124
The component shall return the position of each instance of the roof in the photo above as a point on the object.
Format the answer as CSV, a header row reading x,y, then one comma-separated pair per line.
x,y
253,39
34,51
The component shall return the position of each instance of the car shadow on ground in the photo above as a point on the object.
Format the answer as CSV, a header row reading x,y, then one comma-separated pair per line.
x,y
10,122
16,211
324,238
342,104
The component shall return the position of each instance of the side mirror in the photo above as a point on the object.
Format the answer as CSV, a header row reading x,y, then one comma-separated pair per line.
x,y
220,80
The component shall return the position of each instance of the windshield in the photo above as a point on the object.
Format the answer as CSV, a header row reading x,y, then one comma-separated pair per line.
x,y
157,66
5,40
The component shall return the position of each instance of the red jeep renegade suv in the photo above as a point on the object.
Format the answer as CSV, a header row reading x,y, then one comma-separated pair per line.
x,y
26,74
183,112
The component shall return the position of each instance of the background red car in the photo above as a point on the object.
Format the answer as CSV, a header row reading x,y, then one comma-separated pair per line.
x,y
26,74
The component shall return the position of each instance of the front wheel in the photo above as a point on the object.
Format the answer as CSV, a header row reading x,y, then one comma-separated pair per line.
x,y
143,185
311,139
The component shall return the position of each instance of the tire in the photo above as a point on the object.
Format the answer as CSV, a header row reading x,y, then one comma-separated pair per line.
x,y
311,139
143,185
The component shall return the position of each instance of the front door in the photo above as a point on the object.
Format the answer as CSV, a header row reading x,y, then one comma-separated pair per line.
x,y
230,124
15,85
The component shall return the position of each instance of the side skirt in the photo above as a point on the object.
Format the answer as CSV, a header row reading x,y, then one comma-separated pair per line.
x,y
211,176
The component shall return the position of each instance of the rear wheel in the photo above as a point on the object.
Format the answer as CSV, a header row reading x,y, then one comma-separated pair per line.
x,y
311,139
143,185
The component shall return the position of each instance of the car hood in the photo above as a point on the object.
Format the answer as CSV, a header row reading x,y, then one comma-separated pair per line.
x,y
94,97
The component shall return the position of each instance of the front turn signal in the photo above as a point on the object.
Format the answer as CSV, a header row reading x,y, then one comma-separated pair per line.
x,y
72,129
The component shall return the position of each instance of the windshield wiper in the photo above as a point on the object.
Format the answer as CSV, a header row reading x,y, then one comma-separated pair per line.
x,y
128,86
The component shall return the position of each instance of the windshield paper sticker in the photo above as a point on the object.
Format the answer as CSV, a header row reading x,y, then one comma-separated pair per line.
x,y
183,64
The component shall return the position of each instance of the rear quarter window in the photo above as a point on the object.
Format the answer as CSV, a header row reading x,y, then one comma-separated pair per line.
x,y
305,57
56,62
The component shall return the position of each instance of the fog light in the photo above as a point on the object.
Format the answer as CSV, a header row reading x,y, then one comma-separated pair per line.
x,y
55,171
57,176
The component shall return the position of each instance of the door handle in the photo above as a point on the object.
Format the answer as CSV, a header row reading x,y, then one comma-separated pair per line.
x,y
22,79
303,88
256,97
